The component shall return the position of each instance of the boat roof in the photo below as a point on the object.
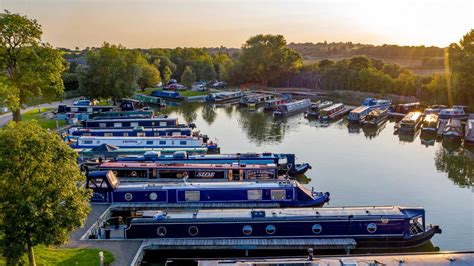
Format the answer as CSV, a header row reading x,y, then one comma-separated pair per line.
x,y
336,105
338,212
207,185
140,138
134,119
131,129
185,165
360,109
412,116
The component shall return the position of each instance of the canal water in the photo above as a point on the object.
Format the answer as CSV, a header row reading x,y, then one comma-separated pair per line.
x,y
356,166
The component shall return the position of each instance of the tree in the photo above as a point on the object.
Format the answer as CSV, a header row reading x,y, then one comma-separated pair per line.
x,y
42,201
32,68
268,57
188,77
150,75
166,75
112,72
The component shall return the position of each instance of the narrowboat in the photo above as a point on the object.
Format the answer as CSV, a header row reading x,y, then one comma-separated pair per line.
x,y
122,114
255,99
292,107
62,108
105,151
158,172
130,132
155,122
273,104
286,162
369,227
405,108
333,111
430,123
456,112
453,130
469,134
410,123
358,114
316,108
150,100
434,109
375,118
374,103
168,95
84,142
107,189
220,97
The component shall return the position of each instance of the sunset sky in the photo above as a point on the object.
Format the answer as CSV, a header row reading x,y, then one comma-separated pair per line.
x,y
211,23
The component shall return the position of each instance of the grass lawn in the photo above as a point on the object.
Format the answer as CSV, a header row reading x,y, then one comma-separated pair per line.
x,y
41,118
71,256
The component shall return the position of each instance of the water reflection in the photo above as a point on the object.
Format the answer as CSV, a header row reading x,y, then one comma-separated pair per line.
x,y
457,162
428,138
262,128
371,132
209,114
408,137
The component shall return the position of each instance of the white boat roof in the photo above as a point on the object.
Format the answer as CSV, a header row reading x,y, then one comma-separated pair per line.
x,y
289,212
210,185
131,129
140,138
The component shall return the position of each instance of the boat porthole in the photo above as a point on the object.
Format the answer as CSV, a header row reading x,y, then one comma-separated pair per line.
x,y
128,196
247,230
153,196
316,228
384,220
371,228
193,230
270,229
161,231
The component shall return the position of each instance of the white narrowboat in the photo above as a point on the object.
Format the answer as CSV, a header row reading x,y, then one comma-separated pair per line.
x,y
333,111
358,114
292,107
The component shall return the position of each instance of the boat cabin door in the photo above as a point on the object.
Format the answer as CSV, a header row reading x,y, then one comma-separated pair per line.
x,y
235,175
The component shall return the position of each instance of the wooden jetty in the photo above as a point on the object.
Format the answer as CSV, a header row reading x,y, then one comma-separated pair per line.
x,y
413,259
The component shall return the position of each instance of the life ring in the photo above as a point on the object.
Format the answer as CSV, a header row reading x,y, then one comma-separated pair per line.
x,y
185,174
134,173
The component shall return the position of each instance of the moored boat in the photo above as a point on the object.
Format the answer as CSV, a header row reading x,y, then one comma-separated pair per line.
x,y
108,189
130,132
253,100
453,130
430,123
285,162
374,103
292,107
136,114
410,123
367,227
405,108
469,132
221,97
456,112
358,114
315,109
167,95
273,104
154,122
158,172
434,109
62,108
333,111
375,118
84,142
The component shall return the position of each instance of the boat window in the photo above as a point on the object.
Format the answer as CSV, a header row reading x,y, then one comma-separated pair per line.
x,y
134,124
192,195
254,194
86,134
140,134
157,134
162,124
416,226
371,228
117,124
193,230
153,196
182,142
125,134
162,142
103,125
278,194
316,228
108,134
128,196
161,231
247,230
74,109
149,142
270,229
87,141
90,110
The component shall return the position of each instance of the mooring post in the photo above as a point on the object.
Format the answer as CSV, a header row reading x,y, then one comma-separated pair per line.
x,y
101,258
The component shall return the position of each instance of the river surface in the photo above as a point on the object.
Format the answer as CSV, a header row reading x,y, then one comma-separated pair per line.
x,y
356,166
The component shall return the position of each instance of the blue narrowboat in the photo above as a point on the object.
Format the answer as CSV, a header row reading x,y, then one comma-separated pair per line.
x,y
220,97
122,114
292,107
130,132
286,162
168,95
155,122
107,189
84,142
62,108
136,171
369,227
374,103
358,114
